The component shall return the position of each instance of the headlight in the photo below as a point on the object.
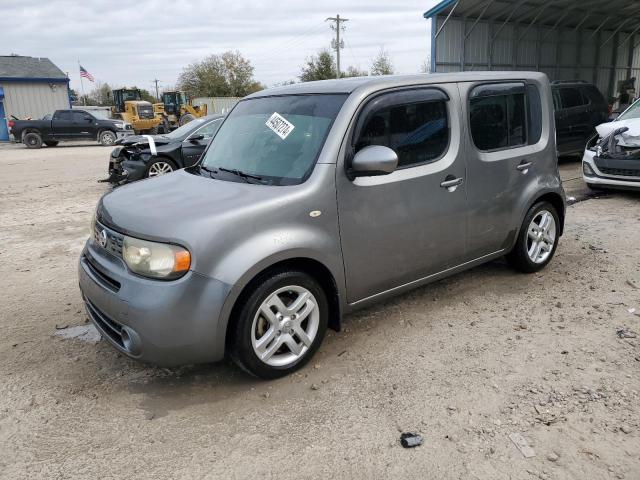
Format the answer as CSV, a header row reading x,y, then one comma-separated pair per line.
x,y
155,260
120,126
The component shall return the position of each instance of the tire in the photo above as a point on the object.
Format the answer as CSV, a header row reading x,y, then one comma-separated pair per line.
x,y
51,144
32,140
160,166
536,242
288,343
107,138
186,118
153,131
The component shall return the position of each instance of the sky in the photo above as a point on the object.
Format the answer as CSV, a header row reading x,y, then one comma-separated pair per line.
x,y
133,43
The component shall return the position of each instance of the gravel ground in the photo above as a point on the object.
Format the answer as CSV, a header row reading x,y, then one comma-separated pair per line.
x,y
465,362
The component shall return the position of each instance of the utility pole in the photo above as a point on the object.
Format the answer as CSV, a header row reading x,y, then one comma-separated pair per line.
x,y
337,44
155,80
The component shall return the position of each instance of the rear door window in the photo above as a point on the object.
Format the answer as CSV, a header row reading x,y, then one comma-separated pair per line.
x,y
498,116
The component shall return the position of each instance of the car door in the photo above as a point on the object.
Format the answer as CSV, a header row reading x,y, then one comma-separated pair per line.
x,y
503,144
193,146
85,124
399,228
63,126
576,114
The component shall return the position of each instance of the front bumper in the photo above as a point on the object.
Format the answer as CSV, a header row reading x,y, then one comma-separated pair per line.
x,y
606,181
161,322
124,134
122,170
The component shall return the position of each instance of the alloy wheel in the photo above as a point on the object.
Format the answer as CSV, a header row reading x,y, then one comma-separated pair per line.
x,y
541,236
160,168
285,326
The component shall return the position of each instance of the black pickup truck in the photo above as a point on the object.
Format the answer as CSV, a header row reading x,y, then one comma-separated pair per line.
x,y
68,125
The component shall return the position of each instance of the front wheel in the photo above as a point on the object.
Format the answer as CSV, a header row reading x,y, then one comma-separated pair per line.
x,y
160,167
107,138
280,324
537,240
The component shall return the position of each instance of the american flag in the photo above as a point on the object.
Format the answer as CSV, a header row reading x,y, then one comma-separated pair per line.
x,y
85,74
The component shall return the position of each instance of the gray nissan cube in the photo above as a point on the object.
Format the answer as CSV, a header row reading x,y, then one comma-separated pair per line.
x,y
316,199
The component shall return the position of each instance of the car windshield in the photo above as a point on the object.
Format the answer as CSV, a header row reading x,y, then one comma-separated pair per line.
x,y
633,111
186,129
277,139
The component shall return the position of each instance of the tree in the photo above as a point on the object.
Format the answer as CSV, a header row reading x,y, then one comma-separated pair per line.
x,y
101,95
146,96
382,64
226,75
319,67
354,72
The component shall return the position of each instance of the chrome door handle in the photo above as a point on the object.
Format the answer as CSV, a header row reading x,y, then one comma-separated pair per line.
x,y
524,166
451,183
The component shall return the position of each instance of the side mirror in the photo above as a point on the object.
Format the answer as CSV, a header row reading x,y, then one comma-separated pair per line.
x,y
88,119
196,138
374,160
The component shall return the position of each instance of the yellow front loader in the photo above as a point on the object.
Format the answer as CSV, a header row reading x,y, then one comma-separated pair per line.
x,y
129,106
177,110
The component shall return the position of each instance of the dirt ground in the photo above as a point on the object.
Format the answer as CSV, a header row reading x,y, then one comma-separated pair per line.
x,y
466,362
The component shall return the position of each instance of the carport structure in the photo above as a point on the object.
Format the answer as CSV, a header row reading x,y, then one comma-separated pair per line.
x,y
591,40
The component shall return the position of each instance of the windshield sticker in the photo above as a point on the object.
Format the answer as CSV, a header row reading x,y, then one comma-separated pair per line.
x,y
280,125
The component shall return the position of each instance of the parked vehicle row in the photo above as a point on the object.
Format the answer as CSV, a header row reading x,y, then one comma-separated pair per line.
x,y
68,125
317,199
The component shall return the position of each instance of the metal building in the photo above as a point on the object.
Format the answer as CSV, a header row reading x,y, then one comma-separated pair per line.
x,y
30,87
592,40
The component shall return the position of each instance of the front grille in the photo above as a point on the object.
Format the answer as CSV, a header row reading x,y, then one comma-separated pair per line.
x,y
99,273
114,240
107,325
145,111
622,172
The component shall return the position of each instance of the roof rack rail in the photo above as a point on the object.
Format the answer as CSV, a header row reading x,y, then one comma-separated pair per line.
x,y
558,82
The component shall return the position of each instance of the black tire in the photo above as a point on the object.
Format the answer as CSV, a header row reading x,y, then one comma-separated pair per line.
x,y
519,256
186,118
107,138
158,162
240,346
51,144
164,126
32,140
153,131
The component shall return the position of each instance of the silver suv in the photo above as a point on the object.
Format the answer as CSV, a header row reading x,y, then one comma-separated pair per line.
x,y
316,199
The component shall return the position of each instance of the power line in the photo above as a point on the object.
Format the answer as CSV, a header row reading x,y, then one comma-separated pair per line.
x,y
337,44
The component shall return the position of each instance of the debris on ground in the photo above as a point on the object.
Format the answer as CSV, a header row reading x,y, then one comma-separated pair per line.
x,y
410,440
624,333
86,333
632,284
522,444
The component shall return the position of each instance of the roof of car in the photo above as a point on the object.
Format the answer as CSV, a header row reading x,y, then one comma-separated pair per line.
x,y
349,85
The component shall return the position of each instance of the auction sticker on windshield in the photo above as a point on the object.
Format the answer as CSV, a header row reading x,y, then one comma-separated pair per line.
x,y
280,125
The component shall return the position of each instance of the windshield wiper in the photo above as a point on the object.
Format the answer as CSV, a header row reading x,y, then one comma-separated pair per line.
x,y
240,173
210,171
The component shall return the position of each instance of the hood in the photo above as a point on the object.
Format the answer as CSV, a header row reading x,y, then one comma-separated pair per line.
x,y
180,207
629,138
143,140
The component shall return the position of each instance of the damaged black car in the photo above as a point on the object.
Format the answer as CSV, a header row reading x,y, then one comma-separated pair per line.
x,y
144,156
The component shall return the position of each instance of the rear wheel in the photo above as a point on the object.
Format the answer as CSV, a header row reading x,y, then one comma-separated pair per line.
x,y
51,144
164,126
32,140
107,138
537,240
280,324
159,167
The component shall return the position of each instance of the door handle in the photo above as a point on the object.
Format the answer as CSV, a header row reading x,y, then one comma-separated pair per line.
x,y
451,183
524,166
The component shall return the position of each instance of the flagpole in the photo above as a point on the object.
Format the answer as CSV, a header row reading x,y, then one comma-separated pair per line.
x,y
84,97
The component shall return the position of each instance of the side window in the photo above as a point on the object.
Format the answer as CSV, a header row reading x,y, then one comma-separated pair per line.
x,y
498,116
209,130
79,117
64,115
571,97
413,123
